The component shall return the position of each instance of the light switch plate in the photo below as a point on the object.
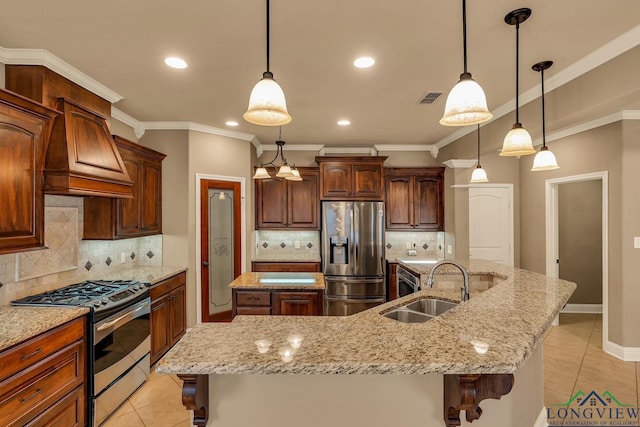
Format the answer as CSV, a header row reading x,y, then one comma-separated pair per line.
x,y
636,242
296,244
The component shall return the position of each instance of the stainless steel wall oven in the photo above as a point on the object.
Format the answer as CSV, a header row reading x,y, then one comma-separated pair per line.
x,y
118,338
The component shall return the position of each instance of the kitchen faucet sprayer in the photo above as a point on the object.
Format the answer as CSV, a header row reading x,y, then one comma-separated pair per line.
x,y
465,274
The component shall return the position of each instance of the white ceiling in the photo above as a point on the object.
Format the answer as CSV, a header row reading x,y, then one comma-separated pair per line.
x,y
417,45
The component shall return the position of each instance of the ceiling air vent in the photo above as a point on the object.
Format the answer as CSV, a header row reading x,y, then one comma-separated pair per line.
x,y
430,97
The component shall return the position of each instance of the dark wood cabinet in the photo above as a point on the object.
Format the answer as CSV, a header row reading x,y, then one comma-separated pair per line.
x,y
284,204
108,219
276,302
414,198
43,379
264,266
351,178
297,303
168,314
25,128
392,289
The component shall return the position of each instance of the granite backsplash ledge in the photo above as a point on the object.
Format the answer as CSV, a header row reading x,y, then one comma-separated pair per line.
x,y
69,259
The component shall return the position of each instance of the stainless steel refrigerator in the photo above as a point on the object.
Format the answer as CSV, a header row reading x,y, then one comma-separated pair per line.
x,y
353,258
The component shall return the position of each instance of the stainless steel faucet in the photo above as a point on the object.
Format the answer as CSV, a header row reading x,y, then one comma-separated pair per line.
x,y
465,274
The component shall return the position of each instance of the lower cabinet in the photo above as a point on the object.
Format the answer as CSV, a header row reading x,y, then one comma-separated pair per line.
x,y
168,314
42,380
277,302
392,286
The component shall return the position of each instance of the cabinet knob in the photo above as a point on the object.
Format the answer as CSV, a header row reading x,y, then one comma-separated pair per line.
x,y
205,264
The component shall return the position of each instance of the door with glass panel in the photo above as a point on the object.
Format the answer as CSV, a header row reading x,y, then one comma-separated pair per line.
x,y
220,246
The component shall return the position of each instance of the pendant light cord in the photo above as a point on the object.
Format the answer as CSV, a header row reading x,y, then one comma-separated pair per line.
x,y
544,139
478,145
464,33
517,69
268,35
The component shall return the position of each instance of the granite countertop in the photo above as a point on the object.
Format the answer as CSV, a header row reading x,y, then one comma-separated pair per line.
x,y
284,280
492,333
280,258
18,323
151,275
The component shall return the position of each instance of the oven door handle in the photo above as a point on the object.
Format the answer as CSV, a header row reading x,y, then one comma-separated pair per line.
x,y
119,318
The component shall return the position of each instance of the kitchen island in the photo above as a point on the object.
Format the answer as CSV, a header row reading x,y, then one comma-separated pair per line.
x,y
370,370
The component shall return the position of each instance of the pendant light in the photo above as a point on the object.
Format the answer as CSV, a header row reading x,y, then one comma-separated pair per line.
x,y
284,171
479,174
545,159
518,141
267,105
466,103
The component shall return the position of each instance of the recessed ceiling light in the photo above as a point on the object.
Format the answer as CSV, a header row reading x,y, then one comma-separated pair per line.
x,y
364,62
231,123
175,62
344,122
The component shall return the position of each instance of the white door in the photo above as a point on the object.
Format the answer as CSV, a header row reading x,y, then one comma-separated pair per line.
x,y
491,223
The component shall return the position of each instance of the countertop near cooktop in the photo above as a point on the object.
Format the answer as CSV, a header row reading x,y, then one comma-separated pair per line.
x,y
18,323
151,275
493,333
283,280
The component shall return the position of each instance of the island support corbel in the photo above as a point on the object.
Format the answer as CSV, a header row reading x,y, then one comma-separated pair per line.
x,y
465,392
195,396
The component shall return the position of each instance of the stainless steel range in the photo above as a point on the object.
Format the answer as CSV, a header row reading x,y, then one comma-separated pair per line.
x,y
119,340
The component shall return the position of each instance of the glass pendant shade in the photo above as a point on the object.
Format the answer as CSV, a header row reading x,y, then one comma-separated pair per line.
x,y
545,160
479,175
267,105
466,104
295,175
517,142
284,171
261,173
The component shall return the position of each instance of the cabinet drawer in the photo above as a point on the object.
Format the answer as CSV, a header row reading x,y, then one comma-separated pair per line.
x,y
253,311
168,285
68,411
253,298
30,392
26,354
312,267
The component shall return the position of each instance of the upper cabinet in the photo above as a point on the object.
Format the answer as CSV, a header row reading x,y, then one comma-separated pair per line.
x,y
25,128
414,198
284,204
123,218
351,178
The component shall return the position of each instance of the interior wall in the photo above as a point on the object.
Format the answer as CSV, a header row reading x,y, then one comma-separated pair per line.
x,y
580,239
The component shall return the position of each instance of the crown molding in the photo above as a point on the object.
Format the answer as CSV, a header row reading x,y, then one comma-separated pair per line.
x,y
406,147
607,52
460,163
293,147
47,59
370,151
138,126
198,127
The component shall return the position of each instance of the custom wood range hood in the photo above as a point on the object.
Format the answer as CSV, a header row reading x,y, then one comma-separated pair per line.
x,y
82,158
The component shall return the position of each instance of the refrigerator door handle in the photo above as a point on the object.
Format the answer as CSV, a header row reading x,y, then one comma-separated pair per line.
x,y
353,232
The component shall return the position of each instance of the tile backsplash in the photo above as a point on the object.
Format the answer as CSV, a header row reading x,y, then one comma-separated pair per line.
x,y
69,259
275,245
426,244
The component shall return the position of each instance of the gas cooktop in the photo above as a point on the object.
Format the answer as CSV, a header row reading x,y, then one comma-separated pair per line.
x,y
96,294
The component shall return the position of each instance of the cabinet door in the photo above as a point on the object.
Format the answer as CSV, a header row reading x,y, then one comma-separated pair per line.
x,y
177,313
367,182
336,180
399,202
297,303
303,209
271,203
151,199
428,204
23,138
392,289
128,210
160,335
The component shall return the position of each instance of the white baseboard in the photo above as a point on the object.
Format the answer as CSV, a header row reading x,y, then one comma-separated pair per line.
x,y
541,421
628,354
582,308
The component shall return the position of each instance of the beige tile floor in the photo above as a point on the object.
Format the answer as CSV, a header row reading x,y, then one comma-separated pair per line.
x,y
573,360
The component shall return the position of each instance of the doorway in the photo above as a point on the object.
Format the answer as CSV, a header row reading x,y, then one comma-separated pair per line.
x,y
491,222
220,246
570,225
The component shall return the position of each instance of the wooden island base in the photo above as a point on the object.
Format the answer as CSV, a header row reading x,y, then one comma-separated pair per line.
x,y
367,400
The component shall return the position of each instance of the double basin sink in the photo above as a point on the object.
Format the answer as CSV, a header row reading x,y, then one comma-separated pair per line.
x,y
420,311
